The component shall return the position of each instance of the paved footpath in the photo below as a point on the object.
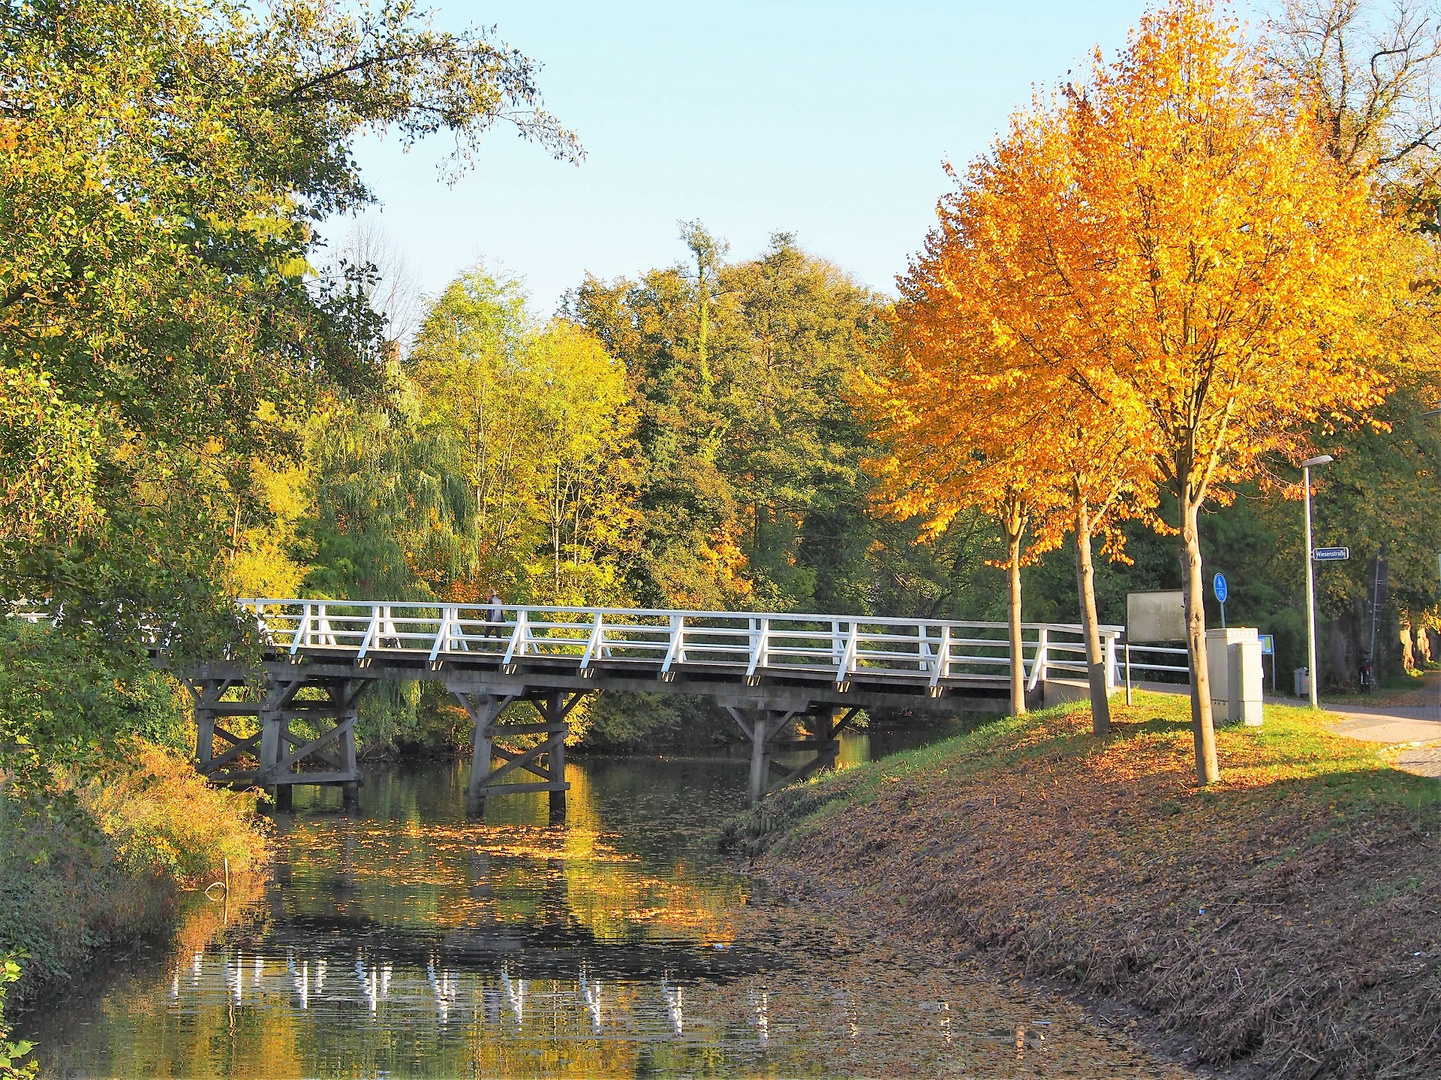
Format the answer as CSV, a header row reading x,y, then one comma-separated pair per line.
x,y
1415,728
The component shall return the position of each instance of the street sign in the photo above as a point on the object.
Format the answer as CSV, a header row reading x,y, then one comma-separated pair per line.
x,y
1218,585
1268,644
1331,554
1156,616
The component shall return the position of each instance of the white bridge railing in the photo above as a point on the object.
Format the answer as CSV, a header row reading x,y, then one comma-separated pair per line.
x,y
840,648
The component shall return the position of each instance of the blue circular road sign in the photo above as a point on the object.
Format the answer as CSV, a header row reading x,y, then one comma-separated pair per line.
x,y
1218,583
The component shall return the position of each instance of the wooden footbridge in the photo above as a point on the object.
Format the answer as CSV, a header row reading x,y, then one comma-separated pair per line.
x,y
791,682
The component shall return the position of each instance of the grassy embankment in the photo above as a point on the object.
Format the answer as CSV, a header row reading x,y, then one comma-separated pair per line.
x,y
1287,919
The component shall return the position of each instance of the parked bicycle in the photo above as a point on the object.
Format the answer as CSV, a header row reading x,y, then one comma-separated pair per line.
x,y
1368,675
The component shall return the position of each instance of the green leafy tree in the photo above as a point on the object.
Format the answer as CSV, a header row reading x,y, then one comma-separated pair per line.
x,y
473,388
534,423
751,491
688,553
796,330
66,700
161,167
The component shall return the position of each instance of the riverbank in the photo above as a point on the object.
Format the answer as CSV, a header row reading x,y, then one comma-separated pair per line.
x,y
1281,923
90,865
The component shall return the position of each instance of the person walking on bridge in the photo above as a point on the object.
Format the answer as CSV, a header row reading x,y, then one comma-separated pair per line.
x,y
494,614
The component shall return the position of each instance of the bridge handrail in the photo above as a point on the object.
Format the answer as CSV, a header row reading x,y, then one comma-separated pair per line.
x,y
667,613
843,646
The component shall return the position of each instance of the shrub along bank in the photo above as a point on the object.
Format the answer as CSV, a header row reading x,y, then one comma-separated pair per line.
x,y
99,861
103,820
1285,922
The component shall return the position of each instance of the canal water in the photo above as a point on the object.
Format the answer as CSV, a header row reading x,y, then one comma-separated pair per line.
x,y
403,941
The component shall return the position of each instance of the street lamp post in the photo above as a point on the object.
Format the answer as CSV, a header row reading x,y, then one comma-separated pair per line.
x,y
1306,467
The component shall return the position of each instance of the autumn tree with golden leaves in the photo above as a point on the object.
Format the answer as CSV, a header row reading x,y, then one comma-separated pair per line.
x,y
983,408
960,430
1171,245
1231,283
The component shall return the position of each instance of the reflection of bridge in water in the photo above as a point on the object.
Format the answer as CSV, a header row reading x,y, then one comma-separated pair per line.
x,y
791,682
533,973
438,988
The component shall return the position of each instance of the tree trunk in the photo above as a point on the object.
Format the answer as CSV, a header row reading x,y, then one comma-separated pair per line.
x,y
1013,572
1202,725
557,509
703,288
1086,588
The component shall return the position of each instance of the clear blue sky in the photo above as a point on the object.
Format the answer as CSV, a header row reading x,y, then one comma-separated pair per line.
x,y
829,120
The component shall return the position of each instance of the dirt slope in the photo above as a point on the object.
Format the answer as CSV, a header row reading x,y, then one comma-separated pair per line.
x,y
1287,921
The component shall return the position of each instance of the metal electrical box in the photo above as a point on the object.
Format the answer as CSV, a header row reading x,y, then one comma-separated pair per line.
x,y
1233,664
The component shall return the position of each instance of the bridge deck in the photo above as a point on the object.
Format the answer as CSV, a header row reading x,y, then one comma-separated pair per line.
x,y
773,672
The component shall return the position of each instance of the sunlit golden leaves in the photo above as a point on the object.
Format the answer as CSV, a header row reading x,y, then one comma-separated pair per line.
x,y
1159,275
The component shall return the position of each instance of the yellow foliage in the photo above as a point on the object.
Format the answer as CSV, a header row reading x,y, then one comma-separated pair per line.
x,y
1160,276
162,817
263,560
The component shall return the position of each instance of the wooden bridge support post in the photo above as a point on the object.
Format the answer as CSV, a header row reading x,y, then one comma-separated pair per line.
x,y
349,699
286,759
760,759
207,693
764,732
204,736
274,727
555,712
545,760
484,710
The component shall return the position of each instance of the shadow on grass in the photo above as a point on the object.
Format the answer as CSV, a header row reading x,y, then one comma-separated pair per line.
x,y
1157,725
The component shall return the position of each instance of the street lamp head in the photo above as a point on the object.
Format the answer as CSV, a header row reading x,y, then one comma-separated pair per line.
x,y
1320,459
1431,413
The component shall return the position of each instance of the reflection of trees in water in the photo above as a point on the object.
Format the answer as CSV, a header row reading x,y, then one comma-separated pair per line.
x,y
251,980
250,1014
243,1012
401,870
412,946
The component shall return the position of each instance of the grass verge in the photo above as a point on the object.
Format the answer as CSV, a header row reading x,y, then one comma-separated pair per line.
x,y
1286,921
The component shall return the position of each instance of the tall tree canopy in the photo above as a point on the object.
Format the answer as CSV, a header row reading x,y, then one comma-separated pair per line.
x,y
162,164
751,490
1190,255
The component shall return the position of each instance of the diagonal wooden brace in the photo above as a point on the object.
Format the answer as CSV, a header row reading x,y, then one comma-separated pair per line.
x,y
304,750
527,760
240,746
